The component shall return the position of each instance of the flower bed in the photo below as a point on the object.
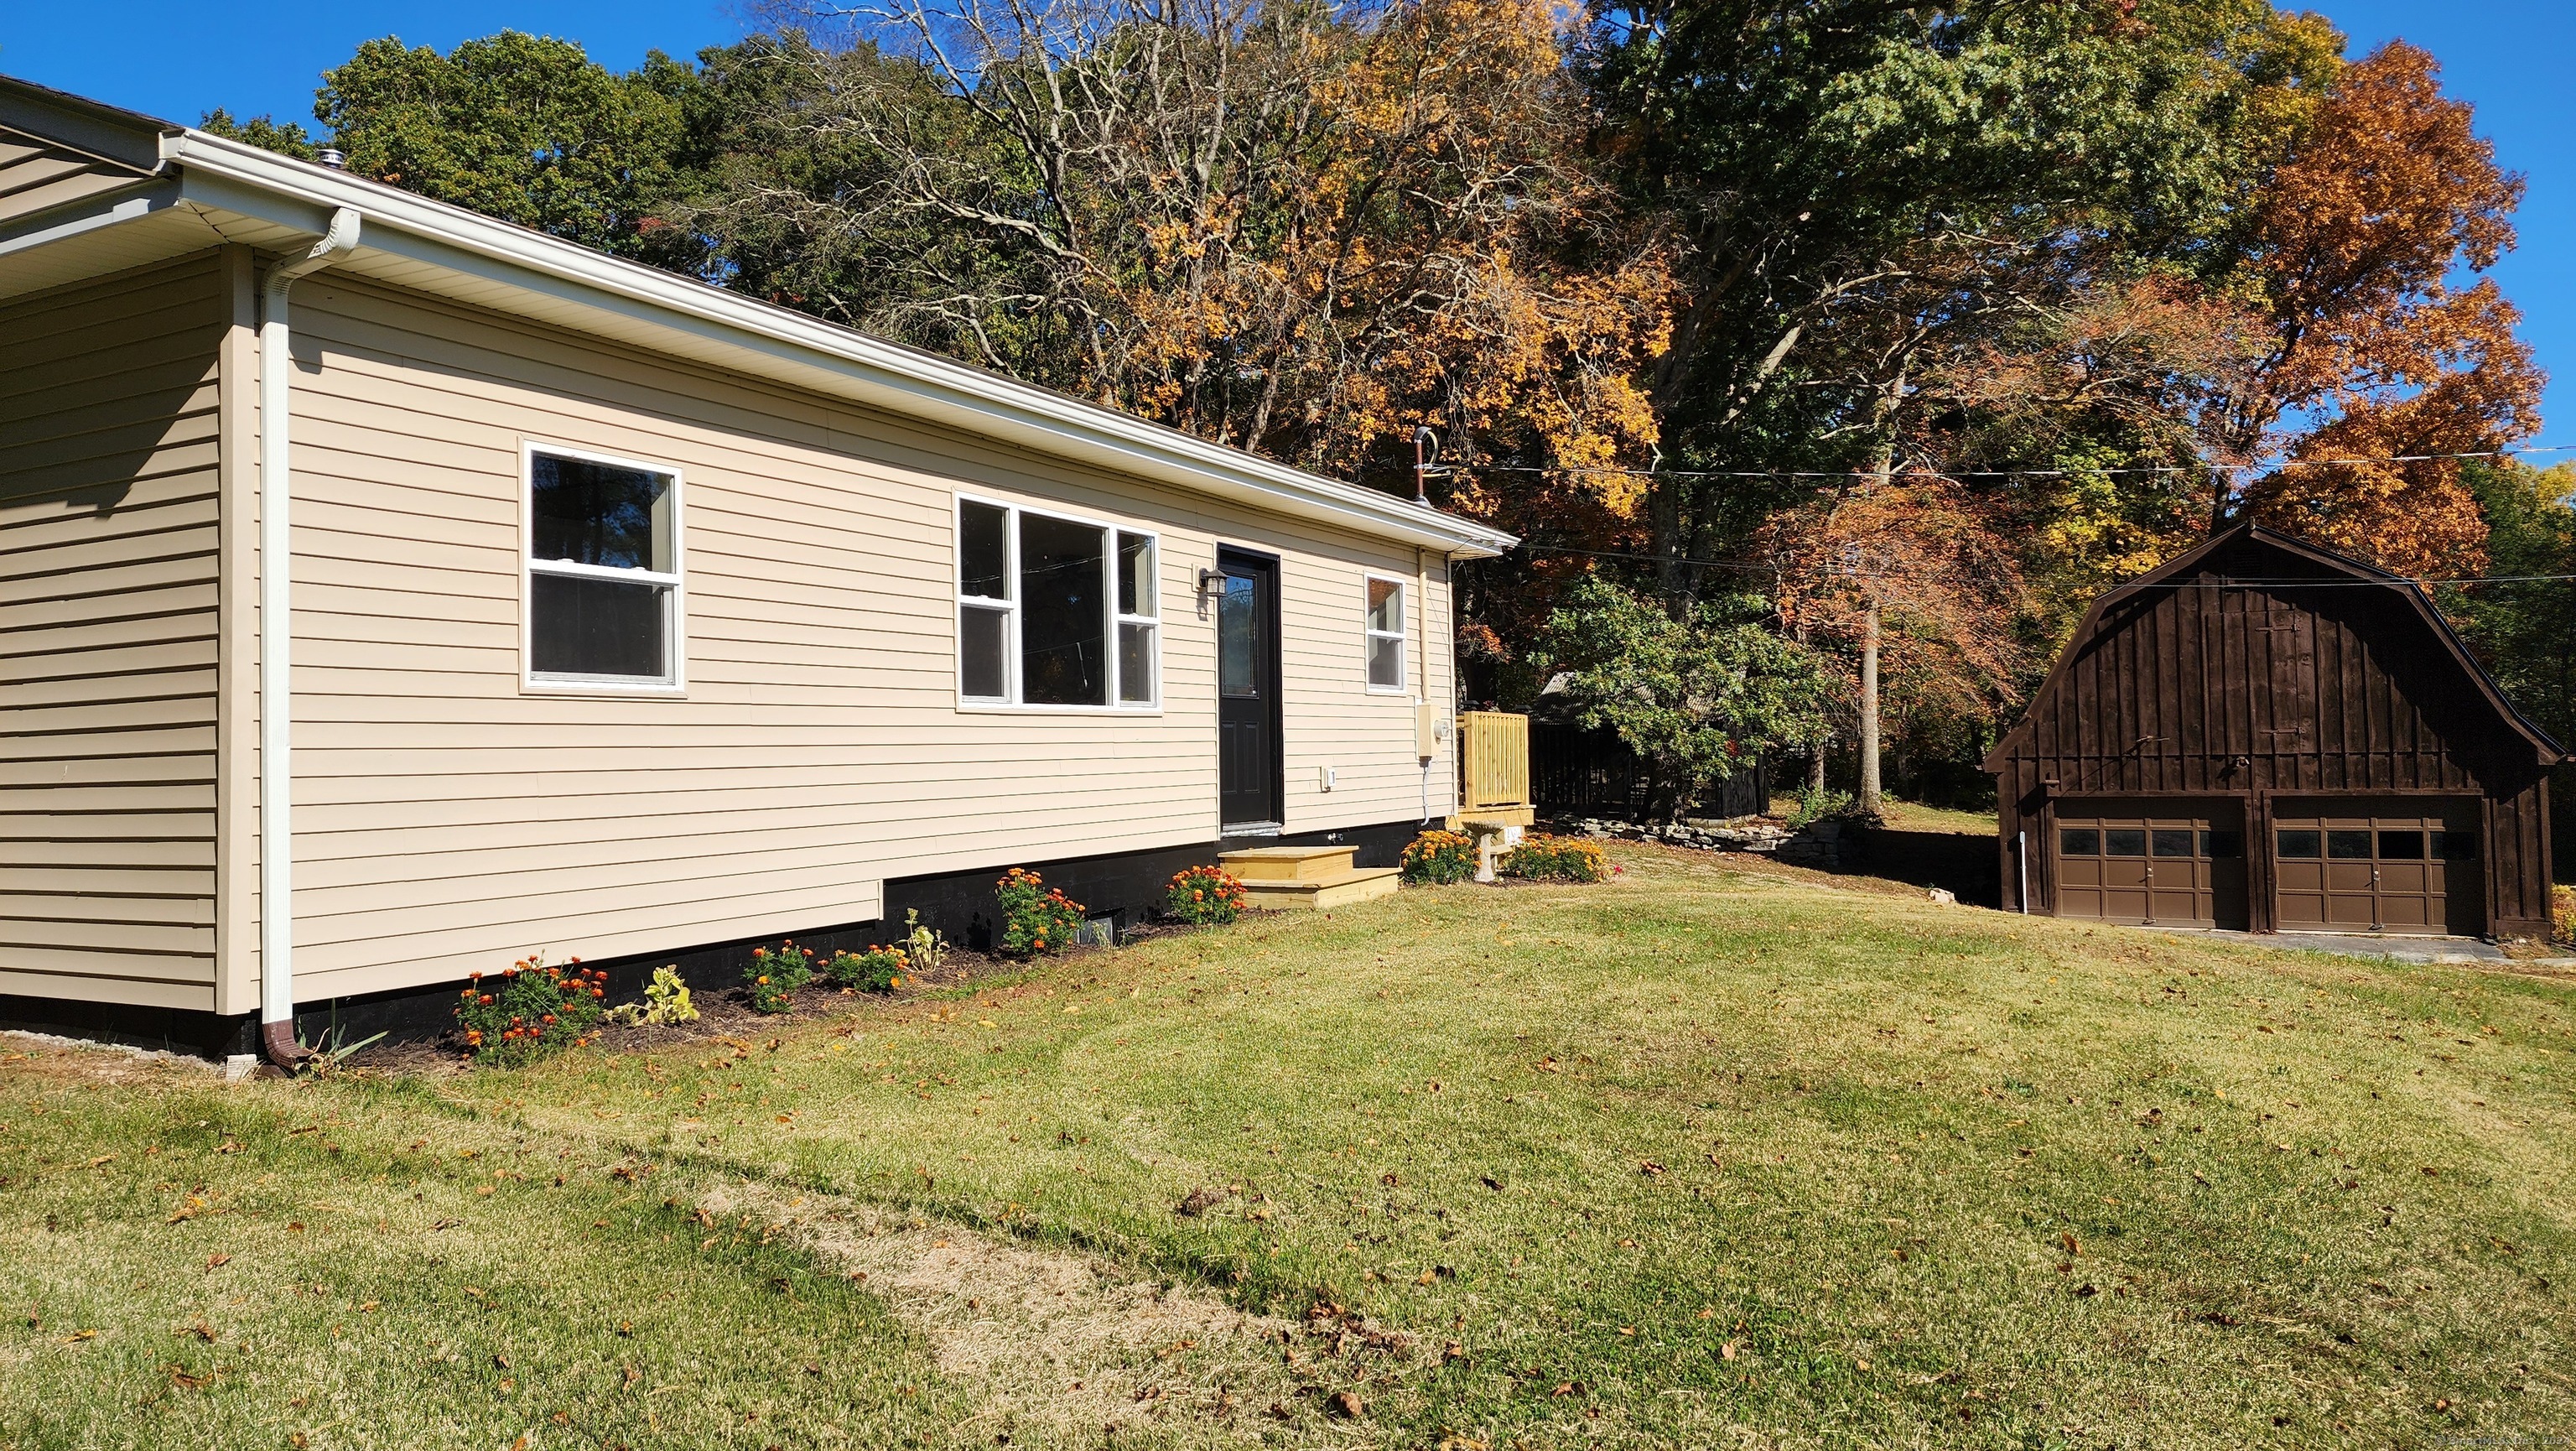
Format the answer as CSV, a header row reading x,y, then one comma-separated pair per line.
x,y
877,970
1036,918
774,977
534,1011
1203,897
1438,858
1556,859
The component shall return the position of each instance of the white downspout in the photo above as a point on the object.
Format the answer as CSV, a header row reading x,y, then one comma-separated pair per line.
x,y
276,635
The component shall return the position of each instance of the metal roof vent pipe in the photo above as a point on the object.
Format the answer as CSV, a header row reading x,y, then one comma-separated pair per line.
x,y
332,157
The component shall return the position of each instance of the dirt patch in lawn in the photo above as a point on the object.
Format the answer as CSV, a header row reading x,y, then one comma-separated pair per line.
x,y
1062,1346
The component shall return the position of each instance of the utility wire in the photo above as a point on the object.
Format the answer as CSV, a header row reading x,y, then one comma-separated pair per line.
x,y
2227,583
2298,463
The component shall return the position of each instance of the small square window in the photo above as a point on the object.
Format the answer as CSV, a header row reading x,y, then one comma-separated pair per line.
x,y
2172,843
2124,841
2297,846
2348,846
603,551
2079,841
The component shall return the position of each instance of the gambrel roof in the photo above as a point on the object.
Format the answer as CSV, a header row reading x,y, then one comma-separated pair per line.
x,y
2251,556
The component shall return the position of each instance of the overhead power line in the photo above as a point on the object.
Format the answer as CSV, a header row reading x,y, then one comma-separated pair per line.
x,y
1753,567
2300,463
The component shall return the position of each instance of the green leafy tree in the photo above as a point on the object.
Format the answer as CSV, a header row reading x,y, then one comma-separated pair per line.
x,y
286,138
1699,697
2522,624
1868,191
521,127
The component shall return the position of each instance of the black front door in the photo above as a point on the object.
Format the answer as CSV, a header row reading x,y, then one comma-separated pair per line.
x,y
1249,778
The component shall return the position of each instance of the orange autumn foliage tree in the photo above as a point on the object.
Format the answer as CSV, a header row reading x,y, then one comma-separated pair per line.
x,y
1300,230
1919,574
2387,195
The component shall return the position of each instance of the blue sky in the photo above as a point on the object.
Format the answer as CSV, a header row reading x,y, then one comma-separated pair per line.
x,y
179,60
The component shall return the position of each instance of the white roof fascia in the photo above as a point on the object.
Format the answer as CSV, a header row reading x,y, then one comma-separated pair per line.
x,y
233,177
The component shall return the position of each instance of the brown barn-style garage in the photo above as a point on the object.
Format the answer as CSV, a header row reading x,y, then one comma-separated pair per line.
x,y
2265,735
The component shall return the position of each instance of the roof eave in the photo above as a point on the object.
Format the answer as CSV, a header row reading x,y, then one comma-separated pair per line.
x,y
871,370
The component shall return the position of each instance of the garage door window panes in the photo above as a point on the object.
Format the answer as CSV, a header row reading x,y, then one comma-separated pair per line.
x,y
2164,864
2364,865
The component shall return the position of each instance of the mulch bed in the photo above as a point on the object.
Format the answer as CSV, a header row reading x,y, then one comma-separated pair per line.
x,y
725,1011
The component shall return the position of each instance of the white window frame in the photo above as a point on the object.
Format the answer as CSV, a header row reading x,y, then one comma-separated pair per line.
x,y
1010,609
1402,634
675,594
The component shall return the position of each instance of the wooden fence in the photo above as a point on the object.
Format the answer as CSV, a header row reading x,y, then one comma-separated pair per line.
x,y
1575,772
1494,761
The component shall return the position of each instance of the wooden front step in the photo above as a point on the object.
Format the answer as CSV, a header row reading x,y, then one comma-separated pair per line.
x,y
1311,878
1287,863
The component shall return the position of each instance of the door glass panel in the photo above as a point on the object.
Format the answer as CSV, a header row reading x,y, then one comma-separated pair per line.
x,y
2221,845
2456,846
2296,845
2079,841
2348,846
2122,841
2172,843
2401,846
1237,669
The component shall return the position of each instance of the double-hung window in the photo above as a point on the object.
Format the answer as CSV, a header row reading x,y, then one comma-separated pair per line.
x,y
603,571
1054,610
1384,634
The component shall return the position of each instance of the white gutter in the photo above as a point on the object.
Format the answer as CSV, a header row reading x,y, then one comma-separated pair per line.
x,y
904,379
276,636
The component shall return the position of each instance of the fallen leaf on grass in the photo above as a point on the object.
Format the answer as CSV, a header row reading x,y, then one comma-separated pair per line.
x,y
77,1336
218,1261
186,1379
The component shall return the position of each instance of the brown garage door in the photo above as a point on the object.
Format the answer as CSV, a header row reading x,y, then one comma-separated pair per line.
x,y
2364,865
2160,863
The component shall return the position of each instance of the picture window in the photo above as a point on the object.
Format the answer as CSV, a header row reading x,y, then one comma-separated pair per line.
x,y
1055,611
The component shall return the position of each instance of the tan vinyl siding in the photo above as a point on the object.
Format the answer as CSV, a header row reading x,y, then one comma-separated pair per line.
x,y
449,818
35,177
107,635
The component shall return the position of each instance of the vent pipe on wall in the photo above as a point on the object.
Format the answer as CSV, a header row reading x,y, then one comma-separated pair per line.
x,y
276,636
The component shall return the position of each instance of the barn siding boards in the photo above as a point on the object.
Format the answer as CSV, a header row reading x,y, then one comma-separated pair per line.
x,y
2282,671
450,819
109,633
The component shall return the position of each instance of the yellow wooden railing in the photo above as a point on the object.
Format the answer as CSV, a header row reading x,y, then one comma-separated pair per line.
x,y
1494,762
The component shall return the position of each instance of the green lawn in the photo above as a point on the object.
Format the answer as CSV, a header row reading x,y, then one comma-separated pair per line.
x,y
1699,1157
